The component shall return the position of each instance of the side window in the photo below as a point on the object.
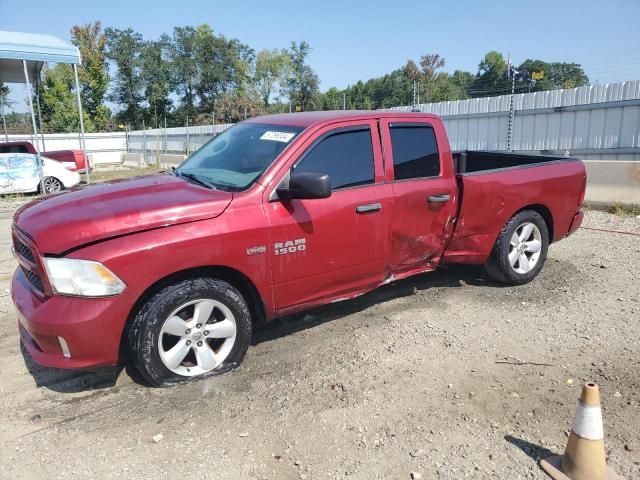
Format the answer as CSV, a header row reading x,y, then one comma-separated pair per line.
x,y
415,152
347,157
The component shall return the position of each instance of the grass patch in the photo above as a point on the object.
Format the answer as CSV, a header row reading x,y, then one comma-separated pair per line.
x,y
106,175
623,210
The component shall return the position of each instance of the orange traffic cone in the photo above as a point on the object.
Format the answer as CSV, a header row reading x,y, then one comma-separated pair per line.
x,y
584,457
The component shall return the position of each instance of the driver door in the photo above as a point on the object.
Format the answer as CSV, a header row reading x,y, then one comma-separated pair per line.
x,y
334,247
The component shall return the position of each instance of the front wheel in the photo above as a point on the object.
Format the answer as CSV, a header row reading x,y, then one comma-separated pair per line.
x,y
520,250
189,330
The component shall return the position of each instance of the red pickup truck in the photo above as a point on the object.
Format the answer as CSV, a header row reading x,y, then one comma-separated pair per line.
x,y
76,159
275,215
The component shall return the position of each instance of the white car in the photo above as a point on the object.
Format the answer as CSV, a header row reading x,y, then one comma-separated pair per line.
x,y
19,174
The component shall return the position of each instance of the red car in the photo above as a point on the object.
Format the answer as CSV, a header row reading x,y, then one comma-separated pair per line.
x,y
275,215
75,159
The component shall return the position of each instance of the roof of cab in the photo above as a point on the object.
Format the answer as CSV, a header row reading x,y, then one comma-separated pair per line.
x,y
306,119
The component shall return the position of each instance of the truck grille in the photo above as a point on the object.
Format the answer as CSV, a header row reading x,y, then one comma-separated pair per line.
x,y
28,259
23,250
34,279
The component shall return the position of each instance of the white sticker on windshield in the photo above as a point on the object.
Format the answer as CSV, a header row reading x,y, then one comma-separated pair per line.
x,y
283,137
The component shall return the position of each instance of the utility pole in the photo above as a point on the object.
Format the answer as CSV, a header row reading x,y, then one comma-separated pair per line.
x,y
511,71
414,93
344,100
418,93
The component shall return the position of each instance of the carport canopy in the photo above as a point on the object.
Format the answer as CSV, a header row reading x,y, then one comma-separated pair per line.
x,y
35,49
22,56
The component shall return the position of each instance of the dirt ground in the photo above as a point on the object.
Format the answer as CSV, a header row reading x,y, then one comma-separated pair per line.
x,y
400,382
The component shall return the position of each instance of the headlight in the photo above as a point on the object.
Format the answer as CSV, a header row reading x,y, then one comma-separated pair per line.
x,y
70,276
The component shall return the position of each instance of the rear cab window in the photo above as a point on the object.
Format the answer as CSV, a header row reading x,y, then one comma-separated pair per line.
x,y
345,154
415,151
13,149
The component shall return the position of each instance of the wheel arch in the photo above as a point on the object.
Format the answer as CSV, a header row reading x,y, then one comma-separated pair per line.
x,y
40,181
544,212
230,275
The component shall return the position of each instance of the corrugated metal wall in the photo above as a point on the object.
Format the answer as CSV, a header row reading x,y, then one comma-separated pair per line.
x,y
599,122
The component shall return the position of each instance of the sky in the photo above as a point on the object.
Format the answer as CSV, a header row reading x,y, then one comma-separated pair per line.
x,y
355,40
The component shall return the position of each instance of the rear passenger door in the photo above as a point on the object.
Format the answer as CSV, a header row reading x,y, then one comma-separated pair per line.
x,y
420,169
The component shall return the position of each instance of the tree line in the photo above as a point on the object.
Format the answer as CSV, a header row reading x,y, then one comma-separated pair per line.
x,y
197,76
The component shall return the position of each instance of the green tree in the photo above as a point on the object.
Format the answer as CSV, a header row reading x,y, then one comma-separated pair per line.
x,y
462,81
124,48
433,80
235,106
93,74
185,69
556,75
302,82
271,70
332,99
58,101
491,79
157,78
222,66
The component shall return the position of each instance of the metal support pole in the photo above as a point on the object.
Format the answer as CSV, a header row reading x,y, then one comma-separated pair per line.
x,y
37,80
35,129
82,143
511,110
144,143
166,136
4,124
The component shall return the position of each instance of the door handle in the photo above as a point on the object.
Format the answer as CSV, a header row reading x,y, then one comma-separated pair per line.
x,y
444,197
368,208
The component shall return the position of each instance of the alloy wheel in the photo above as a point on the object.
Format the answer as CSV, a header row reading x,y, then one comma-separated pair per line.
x,y
197,337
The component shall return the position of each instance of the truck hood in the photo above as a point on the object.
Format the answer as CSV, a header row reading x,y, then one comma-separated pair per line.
x,y
84,215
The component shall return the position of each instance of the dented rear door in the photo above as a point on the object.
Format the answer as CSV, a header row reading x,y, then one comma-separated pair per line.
x,y
419,168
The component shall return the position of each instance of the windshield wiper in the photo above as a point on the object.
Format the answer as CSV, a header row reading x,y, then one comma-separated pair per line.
x,y
196,179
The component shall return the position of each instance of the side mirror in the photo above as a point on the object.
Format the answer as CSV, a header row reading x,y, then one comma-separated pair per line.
x,y
306,185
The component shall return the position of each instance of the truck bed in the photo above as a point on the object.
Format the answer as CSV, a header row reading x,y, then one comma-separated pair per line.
x,y
493,186
474,161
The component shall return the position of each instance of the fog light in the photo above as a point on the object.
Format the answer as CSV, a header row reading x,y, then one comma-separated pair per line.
x,y
64,347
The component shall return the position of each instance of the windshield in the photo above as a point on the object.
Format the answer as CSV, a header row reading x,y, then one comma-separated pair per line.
x,y
235,159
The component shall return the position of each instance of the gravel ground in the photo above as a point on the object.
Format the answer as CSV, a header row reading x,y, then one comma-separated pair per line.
x,y
401,381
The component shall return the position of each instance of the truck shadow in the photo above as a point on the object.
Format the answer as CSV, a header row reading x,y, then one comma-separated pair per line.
x,y
449,276
71,381
76,381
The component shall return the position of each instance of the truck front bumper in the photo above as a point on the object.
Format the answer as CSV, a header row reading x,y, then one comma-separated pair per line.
x,y
90,328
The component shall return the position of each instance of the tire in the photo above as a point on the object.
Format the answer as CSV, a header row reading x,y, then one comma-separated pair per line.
x,y
52,185
191,319
507,262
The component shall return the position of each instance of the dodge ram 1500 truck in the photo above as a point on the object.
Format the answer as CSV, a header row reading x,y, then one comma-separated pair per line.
x,y
277,214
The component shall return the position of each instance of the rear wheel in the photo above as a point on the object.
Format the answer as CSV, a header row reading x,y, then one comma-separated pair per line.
x,y
52,185
190,330
520,250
